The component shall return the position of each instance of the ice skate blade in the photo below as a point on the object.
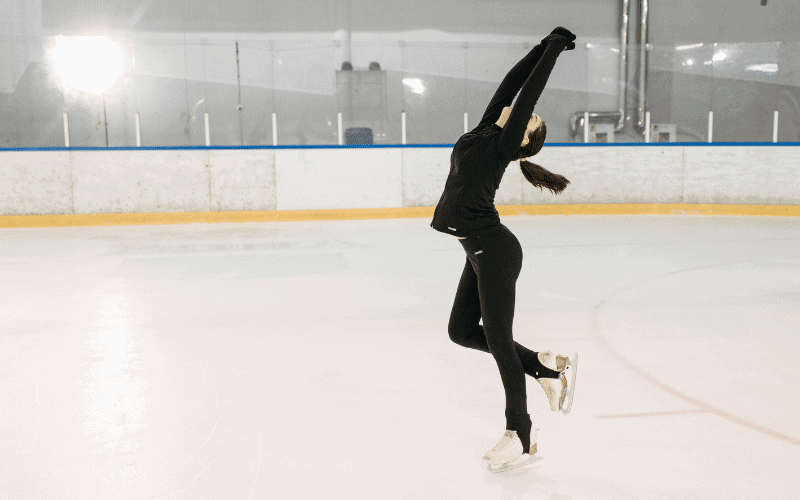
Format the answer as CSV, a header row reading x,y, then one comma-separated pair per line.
x,y
520,462
573,365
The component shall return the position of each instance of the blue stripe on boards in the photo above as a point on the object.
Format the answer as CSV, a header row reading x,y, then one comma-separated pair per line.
x,y
401,146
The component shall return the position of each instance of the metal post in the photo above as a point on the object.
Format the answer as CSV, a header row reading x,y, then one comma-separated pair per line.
x,y
208,133
341,132
710,126
66,130
274,129
404,126
466,123
105,117
586,127
239,106
775,128
138,132
647,127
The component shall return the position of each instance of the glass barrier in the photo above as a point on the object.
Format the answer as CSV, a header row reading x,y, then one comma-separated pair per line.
x,y
158,90
679,92
787,101
745,93
305,104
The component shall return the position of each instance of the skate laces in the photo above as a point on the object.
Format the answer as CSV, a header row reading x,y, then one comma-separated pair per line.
x,y
508,436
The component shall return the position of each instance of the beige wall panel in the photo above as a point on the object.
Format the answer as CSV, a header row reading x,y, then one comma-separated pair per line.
x,y
242,180
750,175
425,172
619,174
140,181
35,182
318,179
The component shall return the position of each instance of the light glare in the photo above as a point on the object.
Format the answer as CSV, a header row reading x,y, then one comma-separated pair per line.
x,y
687,47
89,64
414,85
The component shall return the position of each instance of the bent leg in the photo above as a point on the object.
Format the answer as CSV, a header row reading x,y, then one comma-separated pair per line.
x,y
465,330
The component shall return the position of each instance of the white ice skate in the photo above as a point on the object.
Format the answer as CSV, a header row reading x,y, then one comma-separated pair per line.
x,y
559,392
508,454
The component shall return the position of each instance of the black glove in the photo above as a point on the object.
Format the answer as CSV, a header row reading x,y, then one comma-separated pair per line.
x,y
567,34
560,40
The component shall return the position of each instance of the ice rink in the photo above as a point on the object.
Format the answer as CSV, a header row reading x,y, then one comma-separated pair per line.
x,y
311,360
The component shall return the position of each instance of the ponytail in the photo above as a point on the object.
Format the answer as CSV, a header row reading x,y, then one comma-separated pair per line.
x,y
542,178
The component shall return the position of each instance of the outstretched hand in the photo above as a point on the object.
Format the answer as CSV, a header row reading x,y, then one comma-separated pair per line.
x,y
567,34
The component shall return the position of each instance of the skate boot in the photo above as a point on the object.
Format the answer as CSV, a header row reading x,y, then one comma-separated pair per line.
x,y
559,391
509,453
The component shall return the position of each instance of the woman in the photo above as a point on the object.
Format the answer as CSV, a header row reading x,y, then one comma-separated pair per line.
x,y
494,256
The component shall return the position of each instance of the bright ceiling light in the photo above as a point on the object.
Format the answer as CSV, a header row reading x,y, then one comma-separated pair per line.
x,y
414,85
687,47
88,63
719,56
769,68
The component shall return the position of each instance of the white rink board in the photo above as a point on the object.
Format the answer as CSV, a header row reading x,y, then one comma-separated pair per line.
x,y
33,182
134,181
320,179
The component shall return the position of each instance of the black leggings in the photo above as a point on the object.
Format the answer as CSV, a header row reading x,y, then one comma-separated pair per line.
x,y
487,290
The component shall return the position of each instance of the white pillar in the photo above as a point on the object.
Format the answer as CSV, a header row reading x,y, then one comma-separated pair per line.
x,y
343,36
404,126
466,122
647,127
66,130
775,128
208,133
586,127
138,132
710,126
274,129
341,132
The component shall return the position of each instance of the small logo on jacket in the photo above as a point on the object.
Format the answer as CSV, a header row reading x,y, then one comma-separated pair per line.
x,y
478,252
452,229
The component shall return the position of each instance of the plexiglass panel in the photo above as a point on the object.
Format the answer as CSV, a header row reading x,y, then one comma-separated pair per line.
x,y
679,91
788,98
745,91
172,82
434,94
305,93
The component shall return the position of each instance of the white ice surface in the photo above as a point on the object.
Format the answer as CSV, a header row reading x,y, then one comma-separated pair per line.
x,y
311,360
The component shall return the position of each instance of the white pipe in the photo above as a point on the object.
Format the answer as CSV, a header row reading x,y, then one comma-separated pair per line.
x,y
274,129
208,133
586,127
710,126
341,132
66,130
404,126
138,132
775,128
647,127
466,123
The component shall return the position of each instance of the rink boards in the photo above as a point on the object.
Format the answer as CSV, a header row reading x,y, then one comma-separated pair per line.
x,y
153,186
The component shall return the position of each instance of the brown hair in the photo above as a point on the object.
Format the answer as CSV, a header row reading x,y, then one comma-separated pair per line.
x,y
537,175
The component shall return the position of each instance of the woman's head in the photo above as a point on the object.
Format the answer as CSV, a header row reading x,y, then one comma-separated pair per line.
x,y
534,137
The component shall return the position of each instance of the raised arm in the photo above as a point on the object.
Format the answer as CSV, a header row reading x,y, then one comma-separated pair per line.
x,y
510,139
511,84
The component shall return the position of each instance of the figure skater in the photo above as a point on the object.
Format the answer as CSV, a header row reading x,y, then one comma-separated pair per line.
x,y
494,256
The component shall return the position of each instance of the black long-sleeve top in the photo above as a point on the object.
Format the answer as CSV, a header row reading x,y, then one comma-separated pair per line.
x,y
480,157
